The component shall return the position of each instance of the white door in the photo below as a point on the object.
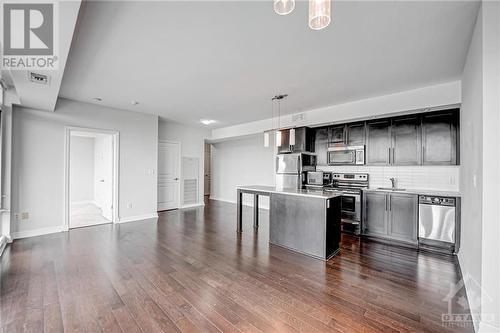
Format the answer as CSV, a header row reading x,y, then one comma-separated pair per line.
x,y
168,175
104,175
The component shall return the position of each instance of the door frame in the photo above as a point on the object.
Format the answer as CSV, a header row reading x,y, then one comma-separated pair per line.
x,y
68,130
179,190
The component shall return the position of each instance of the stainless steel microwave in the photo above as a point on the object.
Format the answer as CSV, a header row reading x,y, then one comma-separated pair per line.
x,y
346,155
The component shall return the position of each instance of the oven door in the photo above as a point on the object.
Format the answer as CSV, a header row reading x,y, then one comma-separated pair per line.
x,y
351,207
341,157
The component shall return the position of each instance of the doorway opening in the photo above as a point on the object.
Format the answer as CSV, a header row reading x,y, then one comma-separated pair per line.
x,y
208,170
91,178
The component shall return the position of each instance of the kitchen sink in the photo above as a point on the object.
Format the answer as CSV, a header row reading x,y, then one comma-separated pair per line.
x,y
390,189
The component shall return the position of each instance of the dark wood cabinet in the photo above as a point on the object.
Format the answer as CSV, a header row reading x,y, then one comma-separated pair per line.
x,y
391,216
304,141
374,213
378,142
321,144
406,146
440,138
355,134
430,138
403,215
337,134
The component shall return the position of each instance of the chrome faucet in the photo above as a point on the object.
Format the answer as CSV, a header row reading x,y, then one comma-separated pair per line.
x,y
393,182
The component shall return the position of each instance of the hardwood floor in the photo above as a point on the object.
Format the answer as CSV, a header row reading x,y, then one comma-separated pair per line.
x,y
191,272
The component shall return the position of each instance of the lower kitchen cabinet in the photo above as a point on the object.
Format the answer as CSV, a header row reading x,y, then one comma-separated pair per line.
x,y
391,216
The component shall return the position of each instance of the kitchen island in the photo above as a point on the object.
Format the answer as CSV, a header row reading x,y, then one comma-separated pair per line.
x,y
300,220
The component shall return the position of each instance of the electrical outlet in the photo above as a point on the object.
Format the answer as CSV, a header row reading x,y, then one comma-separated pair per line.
x,y
16,216
25,216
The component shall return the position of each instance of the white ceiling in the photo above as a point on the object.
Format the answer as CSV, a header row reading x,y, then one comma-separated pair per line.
x,y
224,60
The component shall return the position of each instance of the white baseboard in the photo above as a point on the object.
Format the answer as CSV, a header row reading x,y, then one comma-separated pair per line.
x,y
37,232
248,204
193,205
137,218
3,244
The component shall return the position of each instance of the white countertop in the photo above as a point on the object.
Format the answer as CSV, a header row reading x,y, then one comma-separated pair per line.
x,y
420,192
290,191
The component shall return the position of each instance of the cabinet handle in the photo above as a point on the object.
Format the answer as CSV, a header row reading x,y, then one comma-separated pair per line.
x,y
390,203
386,202
393,158
389,155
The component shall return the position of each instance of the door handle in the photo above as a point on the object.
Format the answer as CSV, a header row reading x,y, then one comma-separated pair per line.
x,y
176,178
101,181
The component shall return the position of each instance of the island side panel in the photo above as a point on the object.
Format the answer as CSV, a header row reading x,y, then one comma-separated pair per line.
x,y
333,228
298,223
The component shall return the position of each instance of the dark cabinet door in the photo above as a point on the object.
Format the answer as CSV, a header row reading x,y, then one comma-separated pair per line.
x,y
355,134
375,213
321,145
378,142
337,134
403,212
406,141
285,142
439,136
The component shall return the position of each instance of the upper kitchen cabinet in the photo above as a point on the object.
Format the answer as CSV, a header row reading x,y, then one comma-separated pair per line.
x,y
378,142
355,134
337,134
440,138
321,144
406,141
304,141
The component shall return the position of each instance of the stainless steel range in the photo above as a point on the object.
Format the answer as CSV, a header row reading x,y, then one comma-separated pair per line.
x,y
351,186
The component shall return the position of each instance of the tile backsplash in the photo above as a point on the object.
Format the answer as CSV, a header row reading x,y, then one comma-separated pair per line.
x,y
442,178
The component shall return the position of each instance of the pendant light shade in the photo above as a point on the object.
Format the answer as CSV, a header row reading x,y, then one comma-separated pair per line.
x,y
283,7
292,137
319,14
266,139
278,138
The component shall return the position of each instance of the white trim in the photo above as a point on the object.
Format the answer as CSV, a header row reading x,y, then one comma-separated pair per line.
x,y
179,193
116,170
193,205
3,244
37,232
137,218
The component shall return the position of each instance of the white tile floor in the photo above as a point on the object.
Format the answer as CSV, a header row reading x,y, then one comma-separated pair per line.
x,y
85,214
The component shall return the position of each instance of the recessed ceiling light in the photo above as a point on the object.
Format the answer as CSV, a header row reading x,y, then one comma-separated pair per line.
x,y
134,103
97,99
207,121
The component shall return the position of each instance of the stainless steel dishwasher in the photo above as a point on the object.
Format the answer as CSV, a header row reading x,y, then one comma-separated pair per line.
x,y
438,223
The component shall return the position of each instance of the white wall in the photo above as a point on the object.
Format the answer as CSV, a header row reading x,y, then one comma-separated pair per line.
x,y
471,157
192,141
81,171
241,162
480,176
431,96
423,177
490,300
38,161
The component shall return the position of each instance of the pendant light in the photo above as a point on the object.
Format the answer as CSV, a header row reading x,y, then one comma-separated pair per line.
x,y
291,138
278,132
284,7
319,14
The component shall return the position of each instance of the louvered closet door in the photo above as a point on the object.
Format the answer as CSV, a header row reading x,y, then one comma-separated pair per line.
x,y
168,175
